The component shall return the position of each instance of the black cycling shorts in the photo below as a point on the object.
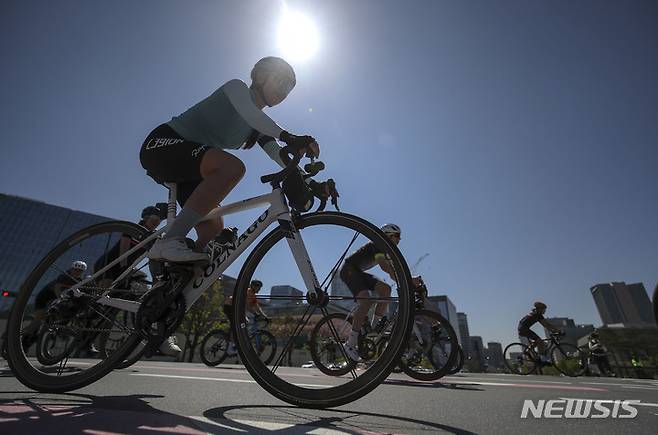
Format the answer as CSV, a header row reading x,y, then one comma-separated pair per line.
x,y
168,157
356,279
529,333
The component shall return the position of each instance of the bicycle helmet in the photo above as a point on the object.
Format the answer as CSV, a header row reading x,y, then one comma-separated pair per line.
x,y
391,229
79,265
540,305
256,282
277,66
151,210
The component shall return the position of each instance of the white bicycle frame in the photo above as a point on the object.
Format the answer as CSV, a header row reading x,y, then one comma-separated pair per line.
x,y
278,211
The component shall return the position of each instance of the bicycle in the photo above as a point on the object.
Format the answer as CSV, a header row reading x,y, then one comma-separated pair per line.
x,y
429,354
216,345
459,361
565,357
177,286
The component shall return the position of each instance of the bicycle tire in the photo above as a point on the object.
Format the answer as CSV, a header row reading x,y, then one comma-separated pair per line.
x,y
513,369
317,345
222,356
377,372
562,349
272,340
29,375
459,363
453,341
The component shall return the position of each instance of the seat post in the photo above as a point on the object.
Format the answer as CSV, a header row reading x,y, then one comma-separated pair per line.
x,y
171,203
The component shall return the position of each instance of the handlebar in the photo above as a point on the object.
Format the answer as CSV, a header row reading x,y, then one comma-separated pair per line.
x,y
291,165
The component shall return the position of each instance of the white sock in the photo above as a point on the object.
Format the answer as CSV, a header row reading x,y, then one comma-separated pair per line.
x,y
353,338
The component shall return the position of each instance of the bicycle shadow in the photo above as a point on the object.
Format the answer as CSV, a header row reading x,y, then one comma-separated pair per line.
x,y
449,385
85,413
261,419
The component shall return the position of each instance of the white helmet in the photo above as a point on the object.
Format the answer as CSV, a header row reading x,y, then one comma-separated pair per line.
x,y
275,65
79,265
391,229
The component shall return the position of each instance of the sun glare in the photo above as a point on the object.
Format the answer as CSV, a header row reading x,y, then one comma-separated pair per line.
x,y
298,36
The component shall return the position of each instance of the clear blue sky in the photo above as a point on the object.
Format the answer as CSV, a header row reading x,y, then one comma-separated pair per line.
x,y
514,141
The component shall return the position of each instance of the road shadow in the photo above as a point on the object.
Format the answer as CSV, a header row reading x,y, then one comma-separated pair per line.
x,y
28,412
294,420
449,385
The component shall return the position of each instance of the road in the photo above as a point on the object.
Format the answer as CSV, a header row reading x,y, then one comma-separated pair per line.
x,y
160,397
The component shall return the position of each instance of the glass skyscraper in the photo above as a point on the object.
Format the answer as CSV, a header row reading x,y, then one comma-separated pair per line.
x,y
29,229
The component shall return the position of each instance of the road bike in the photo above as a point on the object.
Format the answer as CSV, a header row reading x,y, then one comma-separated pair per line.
x,y
219,344
565,357
429,354
299,244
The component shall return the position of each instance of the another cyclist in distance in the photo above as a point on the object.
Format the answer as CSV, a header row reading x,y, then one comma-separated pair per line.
x,y
190,150
253,308
360,283
535,315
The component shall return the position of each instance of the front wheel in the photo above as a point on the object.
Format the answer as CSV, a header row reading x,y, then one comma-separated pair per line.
x,y
568,359
459,363
328,238
432,348
214,348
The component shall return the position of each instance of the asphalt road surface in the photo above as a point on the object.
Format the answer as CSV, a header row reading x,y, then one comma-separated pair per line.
x,y
158,397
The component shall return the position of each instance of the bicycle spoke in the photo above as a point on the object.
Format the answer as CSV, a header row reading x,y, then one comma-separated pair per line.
x,y
332,272
295,332
332,328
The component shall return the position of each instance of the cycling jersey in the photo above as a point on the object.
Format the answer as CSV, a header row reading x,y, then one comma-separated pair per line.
x,y
225,119
530,320
50,292
366,257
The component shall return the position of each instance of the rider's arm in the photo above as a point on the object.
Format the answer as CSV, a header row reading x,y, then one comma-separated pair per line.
x,y
272,148
385,265
548,326
240,97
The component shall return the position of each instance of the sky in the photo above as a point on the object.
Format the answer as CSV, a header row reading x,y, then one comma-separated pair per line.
x,y
514,142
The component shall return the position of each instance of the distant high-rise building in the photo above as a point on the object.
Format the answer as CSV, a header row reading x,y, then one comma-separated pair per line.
x,y
289,295
446,308
29,229
622,305
572,332
478,352
495,353
465,337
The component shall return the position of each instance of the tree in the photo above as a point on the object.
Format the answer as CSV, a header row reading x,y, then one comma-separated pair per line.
x,y
205,315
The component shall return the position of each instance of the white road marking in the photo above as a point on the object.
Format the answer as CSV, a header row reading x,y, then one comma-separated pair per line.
x,y
202,378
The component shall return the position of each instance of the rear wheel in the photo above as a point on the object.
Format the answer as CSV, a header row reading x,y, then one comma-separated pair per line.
x,y
325,344
520,359
80,317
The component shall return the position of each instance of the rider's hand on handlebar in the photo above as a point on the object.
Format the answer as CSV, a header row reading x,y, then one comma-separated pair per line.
x,y
303,144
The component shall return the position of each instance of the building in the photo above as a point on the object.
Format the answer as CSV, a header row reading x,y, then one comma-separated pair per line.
x,y
478,352
572,332
464,335
29,229
286,295
447,309
622,305
495,354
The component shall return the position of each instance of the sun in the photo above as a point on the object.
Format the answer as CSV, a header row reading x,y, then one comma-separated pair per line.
x,y
297,36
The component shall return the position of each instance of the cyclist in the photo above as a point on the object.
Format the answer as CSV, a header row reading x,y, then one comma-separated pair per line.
x,y
253,308
191,151
48,294
535,315
360,284
150,219
599,354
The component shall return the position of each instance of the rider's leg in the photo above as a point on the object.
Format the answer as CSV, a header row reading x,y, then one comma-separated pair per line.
x,y
221,172
383,290
363,305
